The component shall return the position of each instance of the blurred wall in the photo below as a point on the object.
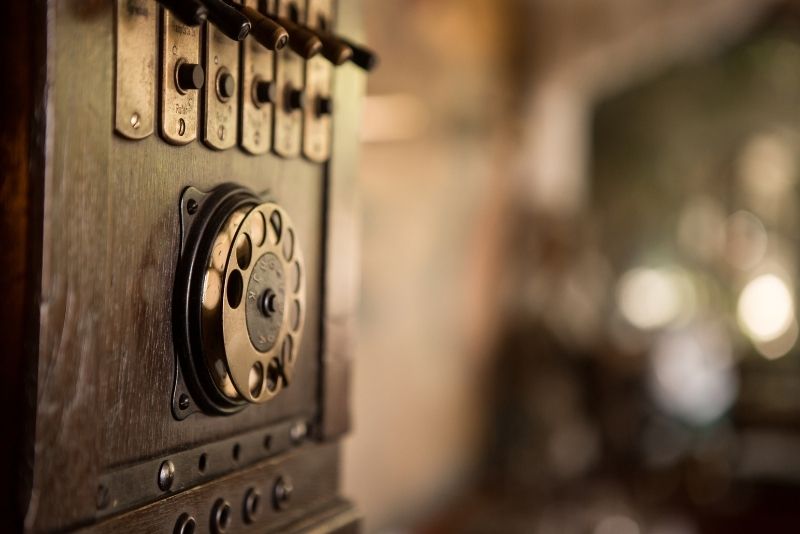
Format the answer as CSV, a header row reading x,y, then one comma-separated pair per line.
x,y
477,118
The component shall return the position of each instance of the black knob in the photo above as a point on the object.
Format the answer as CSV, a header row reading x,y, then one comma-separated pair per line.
x,y
226,85
296,100
189,12
335,50
228,19
264,92
266,31
301,40
362,56
324,106
189,76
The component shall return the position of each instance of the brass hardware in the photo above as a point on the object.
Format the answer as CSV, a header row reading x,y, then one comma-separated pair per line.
x,y
257,86
189,12
289,78
136,68
266,31
240,298
319,80
180,46
221,105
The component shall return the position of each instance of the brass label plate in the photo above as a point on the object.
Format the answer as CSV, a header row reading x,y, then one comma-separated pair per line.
x,y
289,75
220,113
258,64
137,45
178,109
319,79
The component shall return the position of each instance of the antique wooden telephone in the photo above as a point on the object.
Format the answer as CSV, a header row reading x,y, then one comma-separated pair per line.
x,y
178,232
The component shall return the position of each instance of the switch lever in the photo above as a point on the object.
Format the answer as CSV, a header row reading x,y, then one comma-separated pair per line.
x,y
189,12
266,31
228,19
302,40
362,56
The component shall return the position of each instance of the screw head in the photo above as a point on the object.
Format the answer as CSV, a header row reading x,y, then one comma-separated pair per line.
x,y
252,505
282,492
185,525
220,516
102,497
166,475
183,401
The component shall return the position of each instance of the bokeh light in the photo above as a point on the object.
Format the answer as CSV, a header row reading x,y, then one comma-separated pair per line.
x,y
766,308
654,298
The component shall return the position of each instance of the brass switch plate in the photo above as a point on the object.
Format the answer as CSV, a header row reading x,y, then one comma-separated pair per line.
x,y
136,46
289,75
180,43
258,65
220,111
319,81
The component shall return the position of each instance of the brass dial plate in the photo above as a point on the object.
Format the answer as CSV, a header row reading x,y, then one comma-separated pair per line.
x,y
258,65
178,109
289,76
221,116
256,256
135,106
319,79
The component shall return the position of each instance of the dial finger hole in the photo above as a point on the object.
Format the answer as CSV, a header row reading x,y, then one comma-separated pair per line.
x,y
256,381
258,229
244,251
288,245
212,290
273,375
234,289
294,316
219,252
295,275
287,355
276,227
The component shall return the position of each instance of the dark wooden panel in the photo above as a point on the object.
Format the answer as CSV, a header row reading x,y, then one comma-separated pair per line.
x,y
108,247
313,471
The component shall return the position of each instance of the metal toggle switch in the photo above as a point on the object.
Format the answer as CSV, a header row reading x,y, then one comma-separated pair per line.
x,y
188,12
266,31
234,24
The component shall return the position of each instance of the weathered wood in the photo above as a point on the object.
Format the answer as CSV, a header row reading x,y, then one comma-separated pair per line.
x,y
108,243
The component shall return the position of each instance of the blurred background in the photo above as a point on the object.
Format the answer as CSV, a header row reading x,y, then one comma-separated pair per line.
x,y
579,268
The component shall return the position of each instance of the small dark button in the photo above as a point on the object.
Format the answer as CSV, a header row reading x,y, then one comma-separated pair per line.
x,y
190,77
324,106
296,100
264,92
226,85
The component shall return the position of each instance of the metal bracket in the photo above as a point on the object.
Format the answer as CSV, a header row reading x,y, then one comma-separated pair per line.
x,y
180,43
220,110
289,77
319,81
257,67
136,48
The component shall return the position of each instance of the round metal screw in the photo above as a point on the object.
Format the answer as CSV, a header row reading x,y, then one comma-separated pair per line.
x,y
282,493
252,505
298,431
220,516
183,400
102,497
185,525
166,475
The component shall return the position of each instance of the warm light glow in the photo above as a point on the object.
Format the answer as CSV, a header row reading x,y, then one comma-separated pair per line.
x,y
692,375
780,346
654,298
766,308
617,524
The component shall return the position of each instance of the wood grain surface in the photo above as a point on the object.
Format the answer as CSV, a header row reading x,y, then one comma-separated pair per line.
x,y
104,355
